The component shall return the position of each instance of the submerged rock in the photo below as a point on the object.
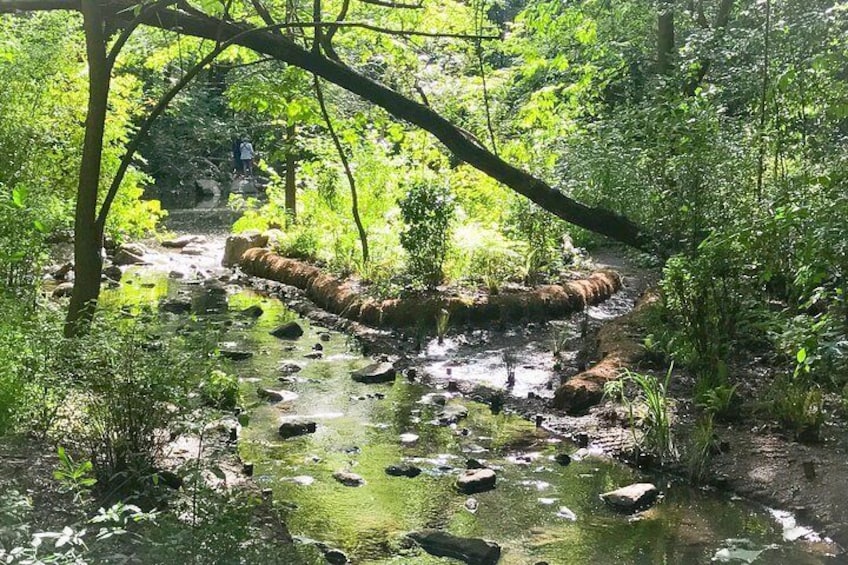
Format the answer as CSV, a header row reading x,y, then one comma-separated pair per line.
x,y
473,551
375,373
289,330
632,497
181,241
349,479
562,458
290,368
476,480
296,427
335,557
403,470
314,355
113,272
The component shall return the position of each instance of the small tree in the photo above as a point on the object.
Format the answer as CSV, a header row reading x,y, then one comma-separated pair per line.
x,y
428,210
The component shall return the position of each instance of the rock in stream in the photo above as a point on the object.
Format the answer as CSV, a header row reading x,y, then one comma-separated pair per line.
x,y
473,551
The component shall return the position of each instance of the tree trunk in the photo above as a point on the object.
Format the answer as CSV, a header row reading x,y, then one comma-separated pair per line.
x,y
291,166
88,238
665,37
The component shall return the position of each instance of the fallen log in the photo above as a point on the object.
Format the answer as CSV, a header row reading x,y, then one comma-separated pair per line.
x,y
342,298
619,347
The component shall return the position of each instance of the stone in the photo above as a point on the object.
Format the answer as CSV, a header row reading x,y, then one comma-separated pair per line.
x,y
63,290
349,479
632,497
562,458
289,330
254,311
476,480
236,354
176,306
237,244
471,505
403,470
452,414
193,250
276,395
474,464
324,336
290,368
126,255
207,187
375,373
335,557
181,241
314,355
62,272
473,551
113,272
296,427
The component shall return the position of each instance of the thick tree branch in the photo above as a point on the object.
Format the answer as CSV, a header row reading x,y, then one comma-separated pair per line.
x,y
598,220
401,5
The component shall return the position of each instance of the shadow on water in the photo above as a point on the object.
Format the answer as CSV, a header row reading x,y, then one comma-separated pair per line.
x,y
539,511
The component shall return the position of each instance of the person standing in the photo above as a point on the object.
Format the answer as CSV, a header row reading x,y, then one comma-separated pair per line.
x,y
237,155
247,154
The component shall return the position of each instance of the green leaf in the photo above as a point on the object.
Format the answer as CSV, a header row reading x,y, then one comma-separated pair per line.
x,y
19,195
802,355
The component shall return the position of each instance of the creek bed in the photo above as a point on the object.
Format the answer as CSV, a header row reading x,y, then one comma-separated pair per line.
x,y
539,511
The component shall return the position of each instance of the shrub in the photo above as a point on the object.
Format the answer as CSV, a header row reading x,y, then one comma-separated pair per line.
x,y
220,390
130,389
427,210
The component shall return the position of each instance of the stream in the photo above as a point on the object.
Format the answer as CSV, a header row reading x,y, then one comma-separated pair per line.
x,y
540,510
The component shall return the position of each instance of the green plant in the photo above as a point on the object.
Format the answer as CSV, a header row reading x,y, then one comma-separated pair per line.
x,y
427,210
719,401
652,394
798,406
220,390
560,334
75,477
702,446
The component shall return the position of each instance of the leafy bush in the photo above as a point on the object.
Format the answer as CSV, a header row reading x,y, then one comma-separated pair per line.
x,y
428,211
220,390
130,389
799,406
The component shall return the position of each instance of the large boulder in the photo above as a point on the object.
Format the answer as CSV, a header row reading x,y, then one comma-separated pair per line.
x,y
476,480
632,497
237,244
296,427
472,551
375,373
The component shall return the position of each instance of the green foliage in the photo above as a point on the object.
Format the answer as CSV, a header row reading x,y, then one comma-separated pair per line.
x,y
75,477
719,401
798,406
220,390
428,211
651,394
129,387
702,446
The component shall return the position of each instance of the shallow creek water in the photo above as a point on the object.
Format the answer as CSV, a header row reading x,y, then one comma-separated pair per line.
x,y
540,511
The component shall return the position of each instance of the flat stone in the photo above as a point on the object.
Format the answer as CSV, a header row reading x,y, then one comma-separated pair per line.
x,y
476,480
473,551
126,257
375,373
349,479
314,355
192,250
181,241
289,330
176,306
276,395
296,427
403,470
290,368
632,497
236,354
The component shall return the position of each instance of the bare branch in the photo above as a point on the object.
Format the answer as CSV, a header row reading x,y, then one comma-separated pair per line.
x,y
388,4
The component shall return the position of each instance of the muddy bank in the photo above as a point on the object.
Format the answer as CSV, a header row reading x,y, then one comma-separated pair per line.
x,y
340,297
